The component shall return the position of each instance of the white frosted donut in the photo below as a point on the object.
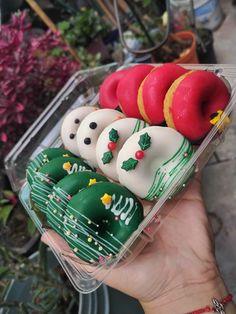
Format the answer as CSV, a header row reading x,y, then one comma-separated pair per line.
x,y
151,158
70,126
111,141
90,129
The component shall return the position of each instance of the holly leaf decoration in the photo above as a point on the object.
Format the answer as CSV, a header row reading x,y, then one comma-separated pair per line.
x,y
113,135
144,141
107,157
129,164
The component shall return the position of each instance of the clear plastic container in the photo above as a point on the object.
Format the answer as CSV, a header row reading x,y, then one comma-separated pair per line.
x,y
82,89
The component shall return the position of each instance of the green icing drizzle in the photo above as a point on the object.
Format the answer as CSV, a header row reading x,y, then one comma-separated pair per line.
x,y
166,173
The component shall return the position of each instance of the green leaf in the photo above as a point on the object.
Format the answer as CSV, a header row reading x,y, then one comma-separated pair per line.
x,y
144,141
63,26
129,164
56,52
107,157
5,212
113,135
3,272
31,228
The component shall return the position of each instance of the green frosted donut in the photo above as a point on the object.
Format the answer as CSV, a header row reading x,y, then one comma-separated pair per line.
x,y
62,193
49,174
43,158
100,219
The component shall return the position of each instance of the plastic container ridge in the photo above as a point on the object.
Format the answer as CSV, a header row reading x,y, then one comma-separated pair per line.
x,y
82,89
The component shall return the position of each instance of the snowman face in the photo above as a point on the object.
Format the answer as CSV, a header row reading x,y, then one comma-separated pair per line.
x,y
91,128
70,126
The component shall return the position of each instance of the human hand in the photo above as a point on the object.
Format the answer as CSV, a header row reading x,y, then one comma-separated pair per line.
x,y
177,272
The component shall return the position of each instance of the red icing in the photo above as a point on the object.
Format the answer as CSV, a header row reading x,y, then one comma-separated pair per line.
x,y
155,88
107,92
127,90
139,154
111,146
196,98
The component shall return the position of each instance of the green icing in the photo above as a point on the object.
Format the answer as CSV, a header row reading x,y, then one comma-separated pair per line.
x,y
129,164
140,124
107,157
50,174
62,192
43,158
167,172
95,230
144,141
113,135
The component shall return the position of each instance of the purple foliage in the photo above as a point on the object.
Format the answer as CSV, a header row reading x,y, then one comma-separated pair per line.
x,y
30,76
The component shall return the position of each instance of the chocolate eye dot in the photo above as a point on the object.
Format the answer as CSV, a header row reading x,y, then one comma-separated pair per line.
x,y
77,121
72,135
87,141
93,125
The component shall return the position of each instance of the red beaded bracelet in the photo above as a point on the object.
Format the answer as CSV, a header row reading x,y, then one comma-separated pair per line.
x,y
218,307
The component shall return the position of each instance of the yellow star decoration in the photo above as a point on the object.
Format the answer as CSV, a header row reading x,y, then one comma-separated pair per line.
x,y
106,199
220,116
67,166
92,181
65,155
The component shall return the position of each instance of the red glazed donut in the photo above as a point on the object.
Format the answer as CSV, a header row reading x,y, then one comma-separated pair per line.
x,y
127,90
107,92
192,101
151,93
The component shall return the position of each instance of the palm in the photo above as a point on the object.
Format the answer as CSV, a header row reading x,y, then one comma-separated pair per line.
x,y
180,253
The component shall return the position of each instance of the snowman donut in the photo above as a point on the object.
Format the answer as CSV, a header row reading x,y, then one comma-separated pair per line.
x,y
90,129
111,141
70,126
151,159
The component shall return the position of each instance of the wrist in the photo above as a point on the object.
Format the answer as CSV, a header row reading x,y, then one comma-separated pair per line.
x,y
187,298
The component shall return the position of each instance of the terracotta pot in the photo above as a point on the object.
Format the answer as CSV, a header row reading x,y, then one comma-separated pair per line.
x,y
191,54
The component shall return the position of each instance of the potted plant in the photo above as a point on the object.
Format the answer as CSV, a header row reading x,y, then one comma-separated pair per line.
x,y
86,30
35,285
18,232
33,68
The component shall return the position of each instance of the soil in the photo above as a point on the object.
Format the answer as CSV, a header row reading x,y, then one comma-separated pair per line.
x,y
173,49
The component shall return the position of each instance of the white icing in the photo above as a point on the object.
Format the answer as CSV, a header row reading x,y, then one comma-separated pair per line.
x,y
102,118
125,128
165,142
70,127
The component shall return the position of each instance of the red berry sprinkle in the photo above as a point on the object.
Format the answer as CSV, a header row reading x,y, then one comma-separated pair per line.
x,y
139,154
111,146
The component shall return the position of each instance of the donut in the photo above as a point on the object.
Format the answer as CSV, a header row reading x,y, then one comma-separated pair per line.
x,y
192,101
49,174
152,91
62,193
151,159
100,219
90,129
111,141
127,89
107,91
70,126
43,158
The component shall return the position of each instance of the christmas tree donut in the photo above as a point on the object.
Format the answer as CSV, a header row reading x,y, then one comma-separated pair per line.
x,y
111,141
151,159
49,174
70,126
62,193
43,158
100,219
90,129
